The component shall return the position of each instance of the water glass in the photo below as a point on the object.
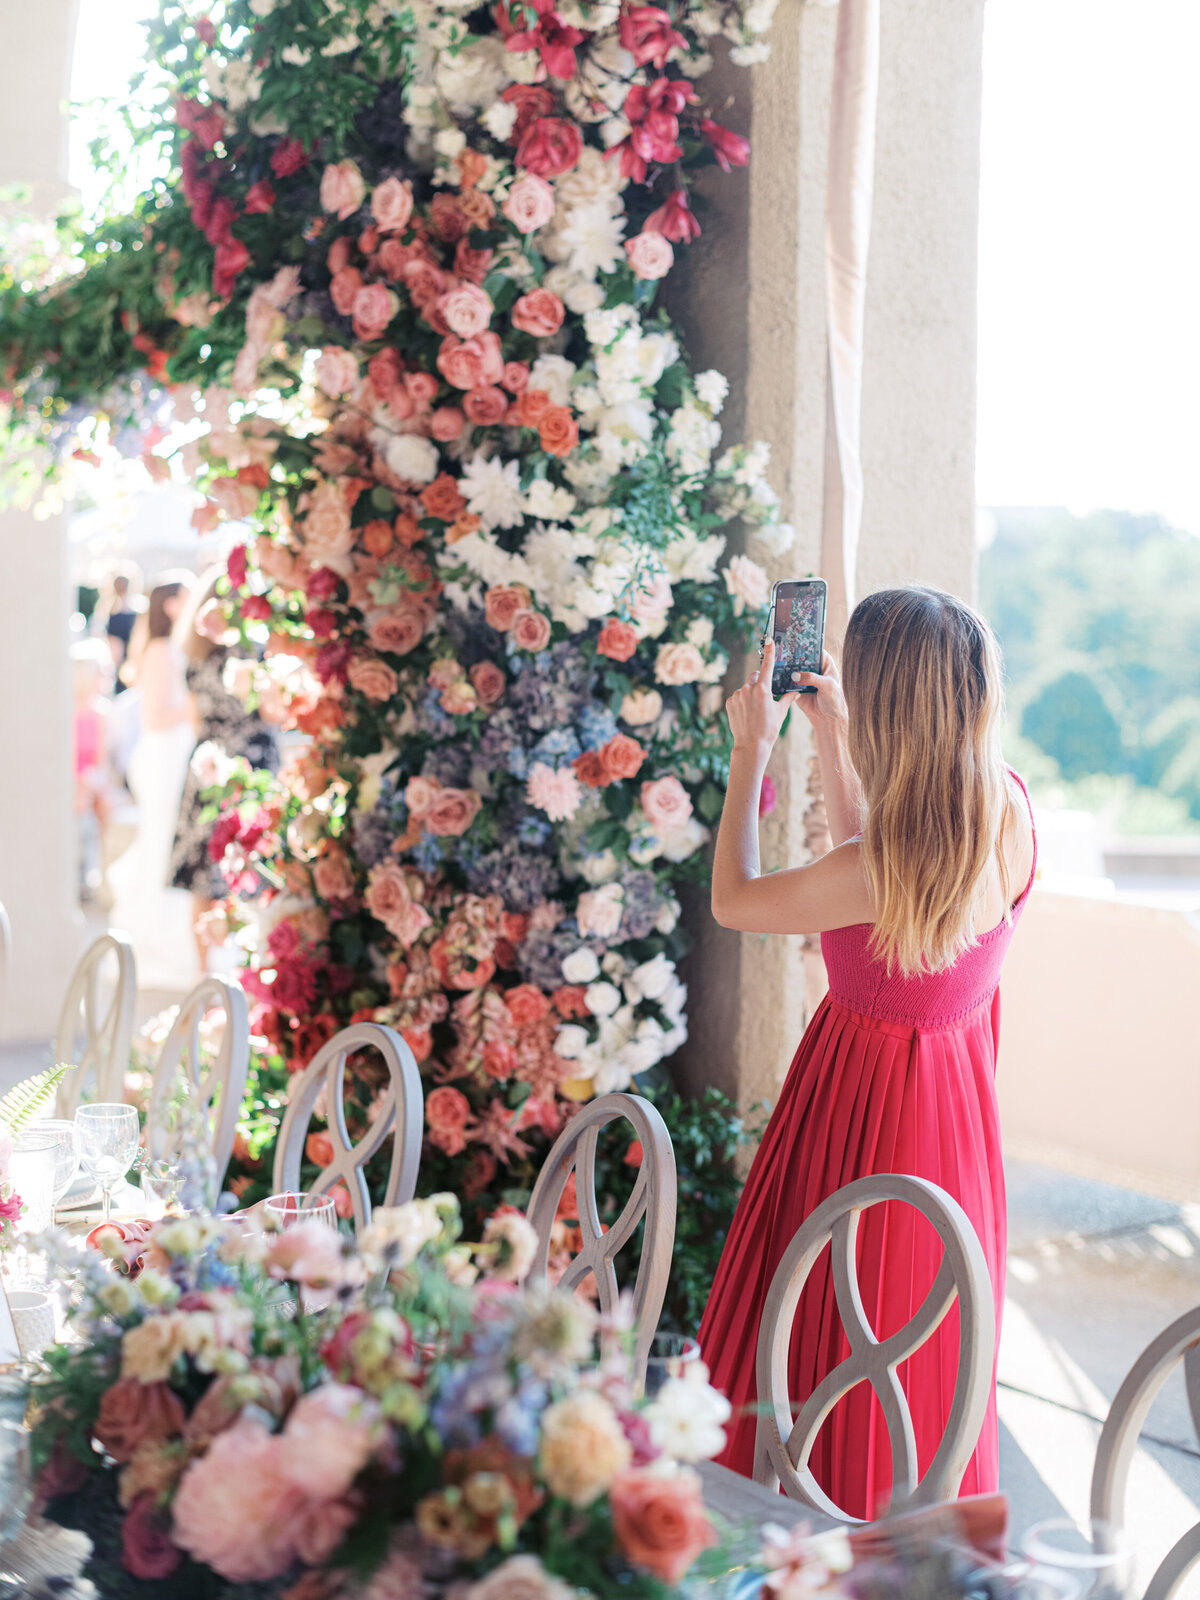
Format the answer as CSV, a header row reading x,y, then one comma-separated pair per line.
x,y
57,1135
671,1354
108,1144
299,1205
160,1186
32,1173
1096,1556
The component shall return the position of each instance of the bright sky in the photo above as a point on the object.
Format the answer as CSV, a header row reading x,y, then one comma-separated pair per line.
x,y
1089,393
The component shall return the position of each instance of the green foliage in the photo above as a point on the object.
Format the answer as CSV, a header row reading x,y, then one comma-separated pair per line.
x,y
24,1100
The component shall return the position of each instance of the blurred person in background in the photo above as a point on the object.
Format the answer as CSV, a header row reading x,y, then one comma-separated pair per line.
x,y
119,608
157,917
225,730
92,679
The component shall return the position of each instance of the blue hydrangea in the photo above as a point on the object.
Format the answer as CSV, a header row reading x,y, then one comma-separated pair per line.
x,y
449,763
642,904
427,852
516,1422
533,830
597,726
430,716
519,877
373,835
500,734
517,762
558,748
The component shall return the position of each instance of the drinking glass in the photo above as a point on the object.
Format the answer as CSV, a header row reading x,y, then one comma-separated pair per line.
x,y
299,1205
1096,1554
108,1143
60,1137
32,1173
160,1185
670,1356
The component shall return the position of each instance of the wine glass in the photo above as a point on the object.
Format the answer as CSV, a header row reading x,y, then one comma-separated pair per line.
x,y
1096,1555
299,1205
671,1355
108,1143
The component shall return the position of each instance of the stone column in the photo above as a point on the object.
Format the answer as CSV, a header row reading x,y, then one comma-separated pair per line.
x,y
37,822
751,302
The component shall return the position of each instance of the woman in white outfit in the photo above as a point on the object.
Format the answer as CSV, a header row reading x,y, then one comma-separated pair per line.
x,y
156,917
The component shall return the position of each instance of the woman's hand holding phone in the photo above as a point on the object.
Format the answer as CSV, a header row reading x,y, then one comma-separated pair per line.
x,y
755,716
826,709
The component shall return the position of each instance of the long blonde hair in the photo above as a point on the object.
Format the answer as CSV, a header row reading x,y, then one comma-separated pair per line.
x,y
922,678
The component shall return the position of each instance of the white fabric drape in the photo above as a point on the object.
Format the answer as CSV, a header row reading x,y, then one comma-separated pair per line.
x,y
849,193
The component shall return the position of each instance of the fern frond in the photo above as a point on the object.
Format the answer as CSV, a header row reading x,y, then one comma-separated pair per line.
x,y
24,1100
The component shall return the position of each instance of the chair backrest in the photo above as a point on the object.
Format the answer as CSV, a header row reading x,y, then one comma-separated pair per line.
x,y
403,1107
1119,1438
782,1448
217,1085
5,954
94,1038
653,1196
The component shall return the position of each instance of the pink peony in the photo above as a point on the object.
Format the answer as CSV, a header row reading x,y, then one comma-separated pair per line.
x,y
309,1252
529,204
337,370
531,630
389,900
650,255
342,189
666,804
557,793
234,1507
329,1435
540,313
452,812
392,204
466,310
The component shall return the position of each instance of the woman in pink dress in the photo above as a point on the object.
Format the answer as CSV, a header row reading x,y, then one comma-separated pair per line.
x,y
933,859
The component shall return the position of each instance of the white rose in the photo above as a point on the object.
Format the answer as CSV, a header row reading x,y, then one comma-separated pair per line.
x,y
776,538
673,999
552,375
571,1041
599,911
668,916
581,966
412,458
641,706
599,867
602,999
711,390
685,841
700,632
651,979
499,119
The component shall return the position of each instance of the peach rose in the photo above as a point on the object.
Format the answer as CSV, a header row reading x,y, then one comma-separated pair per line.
x,y
446,423
531,630
373,678
540,313
342,188
133,1413
343,290
516,376
558,431
489,682
660,1521
419,795
459,698
584,1447
666,804
337,370
471,363
526,1004
679,663
389,901
641,706
617,640
466,310
374,307
392,203
397,631
326,526
377,537
333,877
650,255
485,407
452,812
503,602
529,204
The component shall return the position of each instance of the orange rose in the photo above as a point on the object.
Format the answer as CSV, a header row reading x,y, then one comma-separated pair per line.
x,y
622,757
616,640
589,769
660,1522
407,530
377,537
373,678
442,499
462,526
477,207
131,1413
532,404
540,313
558,431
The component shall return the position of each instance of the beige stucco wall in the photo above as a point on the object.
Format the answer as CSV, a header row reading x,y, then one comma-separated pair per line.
x,y
1099,1064
37,825
751,302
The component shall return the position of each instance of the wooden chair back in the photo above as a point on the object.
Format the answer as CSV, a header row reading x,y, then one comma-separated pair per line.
x,y
653,1196
218,1086
783,1446
1119,1439
94,1036
403,1110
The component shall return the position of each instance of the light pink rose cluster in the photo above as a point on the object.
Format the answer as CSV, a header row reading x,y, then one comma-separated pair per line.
x,y
445,813
666,804
342,189
529,204
336,370
257,1501
388,899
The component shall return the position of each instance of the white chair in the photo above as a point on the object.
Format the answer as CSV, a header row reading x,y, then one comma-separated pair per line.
x,y
94,1037
5,954
217,1085
653,1196
782,1447
403,1109
1119,1438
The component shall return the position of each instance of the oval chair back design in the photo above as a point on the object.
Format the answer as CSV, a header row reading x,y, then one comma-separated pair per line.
x,y
654,1196
95,1039
1119,1440
218,1086
403,1106
782,1447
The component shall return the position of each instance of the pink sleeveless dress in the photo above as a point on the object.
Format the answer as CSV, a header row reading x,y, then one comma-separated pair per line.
x,y
893,1074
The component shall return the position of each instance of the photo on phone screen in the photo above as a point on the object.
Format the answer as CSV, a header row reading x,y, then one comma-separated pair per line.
x,y
798,624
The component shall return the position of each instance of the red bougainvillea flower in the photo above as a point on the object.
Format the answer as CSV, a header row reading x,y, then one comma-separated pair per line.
x,y
674,219
549,147
730,149
647,34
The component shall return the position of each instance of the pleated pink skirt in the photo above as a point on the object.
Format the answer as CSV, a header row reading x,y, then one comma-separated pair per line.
x,y
863,1096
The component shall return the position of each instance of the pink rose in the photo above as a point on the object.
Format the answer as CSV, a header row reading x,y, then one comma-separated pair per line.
x,y
502,603
337,370
374,307
389,901
516,376
489,682
650,255
466,310
446,423
373,678
326,526
485,406
391,204
666,804
616,640
531,630
419,795
452,812
651,601
333,878
529,204
329,1436
147,1550
470,363
397,631
540,313
549,146
133,1413
342,189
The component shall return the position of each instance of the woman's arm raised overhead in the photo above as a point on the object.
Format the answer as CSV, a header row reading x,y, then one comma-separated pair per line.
x,y
830,893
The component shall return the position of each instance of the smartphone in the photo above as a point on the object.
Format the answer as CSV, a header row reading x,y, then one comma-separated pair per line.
x,y
797,622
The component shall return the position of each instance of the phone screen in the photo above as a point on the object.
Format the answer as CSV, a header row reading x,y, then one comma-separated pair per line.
x,y
799,628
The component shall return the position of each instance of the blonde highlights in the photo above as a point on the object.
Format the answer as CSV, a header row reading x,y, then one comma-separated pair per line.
x,y
922,679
